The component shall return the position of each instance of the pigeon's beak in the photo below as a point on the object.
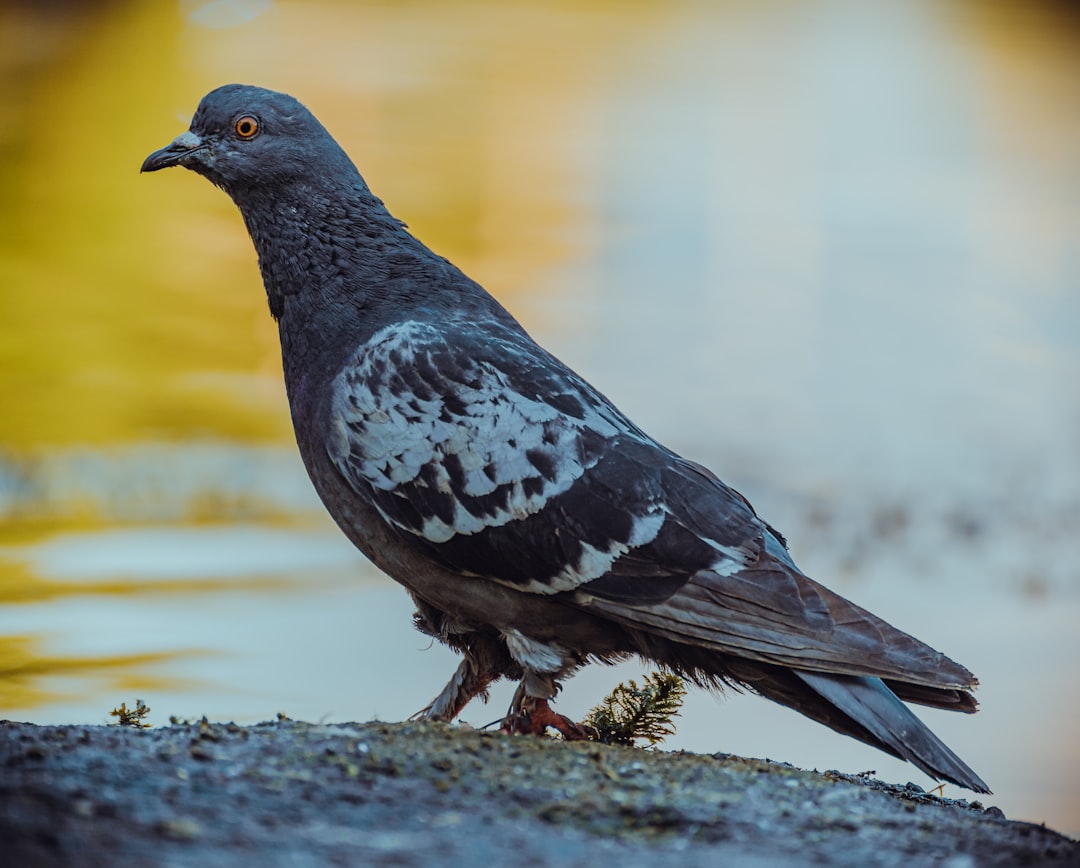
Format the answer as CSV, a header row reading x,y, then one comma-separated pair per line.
x,y
173,154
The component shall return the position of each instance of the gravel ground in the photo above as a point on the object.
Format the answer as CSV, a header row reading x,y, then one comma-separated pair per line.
x,y
298,794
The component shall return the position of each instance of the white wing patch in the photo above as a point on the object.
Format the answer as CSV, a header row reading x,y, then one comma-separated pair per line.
x,y
731,561
472,424
595,562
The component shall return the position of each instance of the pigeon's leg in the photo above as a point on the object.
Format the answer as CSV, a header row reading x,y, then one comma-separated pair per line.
x,y
485,660
542,664
467,682
533,715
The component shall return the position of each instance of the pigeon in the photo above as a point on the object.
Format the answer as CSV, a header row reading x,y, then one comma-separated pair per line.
x,y
535,526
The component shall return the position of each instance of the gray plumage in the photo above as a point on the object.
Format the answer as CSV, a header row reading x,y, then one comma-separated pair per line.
x,y
535,526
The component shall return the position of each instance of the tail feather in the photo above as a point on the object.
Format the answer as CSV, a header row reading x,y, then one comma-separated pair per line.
x,y
949,699
873,706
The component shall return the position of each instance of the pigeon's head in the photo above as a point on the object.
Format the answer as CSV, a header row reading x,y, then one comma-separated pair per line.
x,y
244,138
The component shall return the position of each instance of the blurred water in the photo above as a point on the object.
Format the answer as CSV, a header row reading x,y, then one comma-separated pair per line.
x,y
832,250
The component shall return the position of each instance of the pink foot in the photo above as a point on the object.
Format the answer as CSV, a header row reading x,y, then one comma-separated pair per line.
x,y
534,716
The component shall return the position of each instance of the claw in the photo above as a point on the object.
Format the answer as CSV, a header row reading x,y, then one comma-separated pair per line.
x,y
533,716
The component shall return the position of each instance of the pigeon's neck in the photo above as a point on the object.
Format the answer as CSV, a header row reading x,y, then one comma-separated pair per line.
x,y
338,267
316,243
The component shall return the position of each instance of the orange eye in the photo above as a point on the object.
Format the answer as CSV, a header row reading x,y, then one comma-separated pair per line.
x,y
246,127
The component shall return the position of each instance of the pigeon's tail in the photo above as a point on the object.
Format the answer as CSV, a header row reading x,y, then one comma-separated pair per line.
x,y
873,707
861,706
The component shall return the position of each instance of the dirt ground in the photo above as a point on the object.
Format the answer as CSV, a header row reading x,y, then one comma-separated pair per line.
x,y
299,794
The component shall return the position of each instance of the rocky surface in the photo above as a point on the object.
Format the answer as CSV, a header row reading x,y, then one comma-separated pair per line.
x,y
298,794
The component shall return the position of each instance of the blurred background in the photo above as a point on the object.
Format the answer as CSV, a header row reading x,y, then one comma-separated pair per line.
x,y
829,249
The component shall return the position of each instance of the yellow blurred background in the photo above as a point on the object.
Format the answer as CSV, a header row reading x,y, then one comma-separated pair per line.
x,y
832,250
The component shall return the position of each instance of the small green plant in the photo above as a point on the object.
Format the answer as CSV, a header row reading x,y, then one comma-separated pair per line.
x,y
630,712
135,717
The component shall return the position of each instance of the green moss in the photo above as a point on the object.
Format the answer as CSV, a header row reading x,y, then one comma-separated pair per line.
x,y
631,713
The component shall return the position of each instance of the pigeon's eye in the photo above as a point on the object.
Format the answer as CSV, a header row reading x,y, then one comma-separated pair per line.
x,y
246,127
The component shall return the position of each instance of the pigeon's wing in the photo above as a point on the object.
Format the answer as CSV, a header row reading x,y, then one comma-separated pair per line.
x,y
772,613
502,463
